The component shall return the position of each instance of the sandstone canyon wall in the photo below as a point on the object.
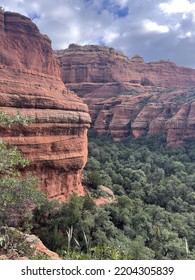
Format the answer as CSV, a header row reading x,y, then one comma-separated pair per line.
x,y
30,83
128,97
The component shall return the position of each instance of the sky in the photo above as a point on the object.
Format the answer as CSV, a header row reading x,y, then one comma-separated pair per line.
x,y
154,29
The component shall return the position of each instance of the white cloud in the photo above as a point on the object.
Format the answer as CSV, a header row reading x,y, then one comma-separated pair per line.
x,y
154,29
75,32
185,35
110,36
177,6
151,26
189,34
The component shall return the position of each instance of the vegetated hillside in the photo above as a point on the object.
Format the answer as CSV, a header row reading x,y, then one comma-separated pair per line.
x,y
128,97
154,213
156,193
56,143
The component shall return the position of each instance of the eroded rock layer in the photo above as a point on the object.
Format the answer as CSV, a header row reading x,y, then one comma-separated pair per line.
x,y
128,97
30,83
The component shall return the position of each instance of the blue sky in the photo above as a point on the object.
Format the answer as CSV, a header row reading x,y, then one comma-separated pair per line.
x,y
155,29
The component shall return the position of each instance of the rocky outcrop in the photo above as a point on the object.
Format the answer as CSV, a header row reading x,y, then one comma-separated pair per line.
x,y
56,143
22,246
128,97
107,196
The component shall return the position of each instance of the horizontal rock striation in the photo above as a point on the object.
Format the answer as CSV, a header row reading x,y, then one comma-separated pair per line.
x,y
131,98
30,83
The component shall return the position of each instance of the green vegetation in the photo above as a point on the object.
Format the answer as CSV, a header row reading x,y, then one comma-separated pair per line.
x,y
16,119
18,195
186,96
155,189
77,229
154,214
153,218
13,243
132,92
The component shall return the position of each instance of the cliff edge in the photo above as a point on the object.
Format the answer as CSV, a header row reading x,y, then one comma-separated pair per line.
x,y
128,97
30,83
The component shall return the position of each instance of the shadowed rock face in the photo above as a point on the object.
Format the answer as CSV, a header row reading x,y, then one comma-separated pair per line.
x,y
30,83
128,97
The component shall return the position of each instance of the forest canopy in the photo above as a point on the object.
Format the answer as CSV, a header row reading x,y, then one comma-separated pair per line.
x,y
152,217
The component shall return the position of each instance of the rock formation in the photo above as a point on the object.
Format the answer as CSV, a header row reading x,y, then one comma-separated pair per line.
x,y
128,97
25,247
30,83
107,198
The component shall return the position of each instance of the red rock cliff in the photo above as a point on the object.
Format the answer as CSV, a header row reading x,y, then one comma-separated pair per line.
x,y
128,97
30,83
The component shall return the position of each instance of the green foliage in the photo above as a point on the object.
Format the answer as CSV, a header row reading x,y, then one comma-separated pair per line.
x,y
18,195
16,119
92,179
15,244
10,160
154,214
154,186
40,256
104,252
152,219
133,92
17,199
185,96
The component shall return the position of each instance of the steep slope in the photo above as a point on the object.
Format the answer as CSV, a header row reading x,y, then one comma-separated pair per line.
x,y
30,83
128,97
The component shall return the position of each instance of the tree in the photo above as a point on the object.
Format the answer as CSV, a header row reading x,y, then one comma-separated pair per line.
x,y
155,194
93,179
18,195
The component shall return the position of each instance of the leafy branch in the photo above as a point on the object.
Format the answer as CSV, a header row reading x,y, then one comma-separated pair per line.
x,y
17,119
